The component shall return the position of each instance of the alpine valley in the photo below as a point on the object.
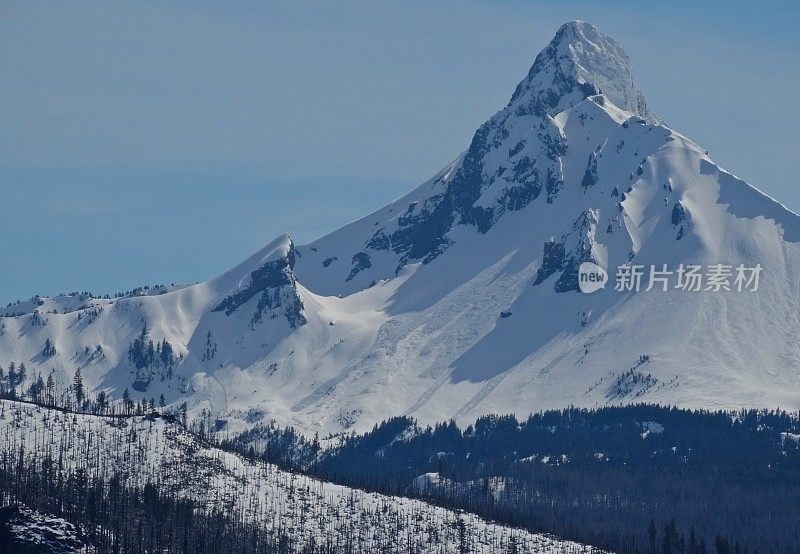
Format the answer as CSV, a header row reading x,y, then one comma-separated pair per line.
x,y
461,298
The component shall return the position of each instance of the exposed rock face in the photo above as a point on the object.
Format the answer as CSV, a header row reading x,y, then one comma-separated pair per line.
x,y
566,253
590,177
503,170
579,61
276,286
361,261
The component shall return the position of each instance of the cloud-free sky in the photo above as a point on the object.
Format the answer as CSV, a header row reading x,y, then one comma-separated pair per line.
x,y
157,142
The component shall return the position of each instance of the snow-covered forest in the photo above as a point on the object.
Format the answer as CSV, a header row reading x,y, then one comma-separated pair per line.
x,y
146,484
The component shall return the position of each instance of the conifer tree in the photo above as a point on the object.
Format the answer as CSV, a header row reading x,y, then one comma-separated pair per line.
x,y
51,390
102,401
12,379
22,373
77,388
126,401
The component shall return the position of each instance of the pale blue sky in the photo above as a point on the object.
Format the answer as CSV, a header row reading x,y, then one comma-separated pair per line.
x,y
157,142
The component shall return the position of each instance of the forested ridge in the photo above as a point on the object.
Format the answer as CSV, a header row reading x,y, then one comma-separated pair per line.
x,y
131,483
638,478
630,479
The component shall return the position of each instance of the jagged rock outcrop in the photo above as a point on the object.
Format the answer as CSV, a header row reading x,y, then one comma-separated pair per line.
x,y
275,285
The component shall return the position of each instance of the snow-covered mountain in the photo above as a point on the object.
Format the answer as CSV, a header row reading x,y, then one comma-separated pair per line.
x,y
461,298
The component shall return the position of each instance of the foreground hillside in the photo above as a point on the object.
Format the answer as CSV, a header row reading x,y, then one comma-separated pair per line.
x,y
110,476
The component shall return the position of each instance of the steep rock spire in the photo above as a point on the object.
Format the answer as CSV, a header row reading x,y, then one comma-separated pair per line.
x,y
578,62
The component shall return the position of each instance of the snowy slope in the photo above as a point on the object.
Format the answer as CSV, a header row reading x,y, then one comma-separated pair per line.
x,y
461,299
151,449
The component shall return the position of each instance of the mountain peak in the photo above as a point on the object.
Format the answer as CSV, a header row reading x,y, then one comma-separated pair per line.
x,y
578,62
